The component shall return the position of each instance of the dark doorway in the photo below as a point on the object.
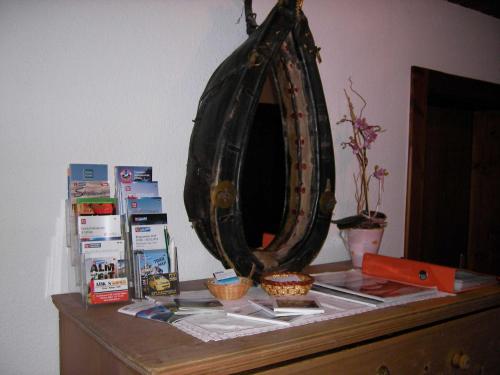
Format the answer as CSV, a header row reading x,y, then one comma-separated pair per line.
x,y
453,197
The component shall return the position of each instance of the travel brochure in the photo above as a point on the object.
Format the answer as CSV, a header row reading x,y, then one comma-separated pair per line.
x,y
99,228
105,257
154,260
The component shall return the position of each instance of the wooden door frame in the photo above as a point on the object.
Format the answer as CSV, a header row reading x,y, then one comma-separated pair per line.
x,y
430,87
416,163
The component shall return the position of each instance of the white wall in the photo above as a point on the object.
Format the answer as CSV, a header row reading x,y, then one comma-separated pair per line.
x,y
118,82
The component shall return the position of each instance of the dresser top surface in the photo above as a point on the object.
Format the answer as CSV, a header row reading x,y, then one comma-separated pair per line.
x,y
152,347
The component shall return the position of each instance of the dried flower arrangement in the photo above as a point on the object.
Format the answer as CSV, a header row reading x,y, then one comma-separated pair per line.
x,y
362,138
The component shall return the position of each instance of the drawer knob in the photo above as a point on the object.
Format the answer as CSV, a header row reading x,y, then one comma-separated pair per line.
x,y
461,361
383,370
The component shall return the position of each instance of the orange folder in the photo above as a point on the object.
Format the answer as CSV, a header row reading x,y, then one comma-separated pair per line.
x,y
411,272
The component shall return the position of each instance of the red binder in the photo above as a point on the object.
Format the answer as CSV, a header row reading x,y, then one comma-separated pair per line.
x,y
415,272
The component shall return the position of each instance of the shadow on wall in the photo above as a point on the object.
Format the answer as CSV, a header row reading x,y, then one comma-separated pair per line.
x,y
60,275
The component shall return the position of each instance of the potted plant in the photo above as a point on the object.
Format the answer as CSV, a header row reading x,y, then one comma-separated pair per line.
x,y
363,231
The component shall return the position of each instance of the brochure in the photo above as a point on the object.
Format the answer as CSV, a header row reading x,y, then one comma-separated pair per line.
x,y
125,175
99,228
139,189
135,190
128,174
102,265
95,206
152,262
149,310
108,290
355,282
153,271
253,312
267,305
88,189
86,172
103,260
303,306
146,205
117,246
198,306
466,280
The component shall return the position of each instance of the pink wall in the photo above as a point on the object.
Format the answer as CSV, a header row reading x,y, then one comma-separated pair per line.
x,y
118,82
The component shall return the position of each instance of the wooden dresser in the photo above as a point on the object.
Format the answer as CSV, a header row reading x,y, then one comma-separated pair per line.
x,y
451,335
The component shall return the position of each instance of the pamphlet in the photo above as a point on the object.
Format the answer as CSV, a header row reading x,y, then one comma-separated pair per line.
x,y
253,312
465,280
88,189
95,206
198,306
128,174
99,228
267,305
116,246
149,310
302,306
356,283
86,172
146,205
135,190
103,261
125,175
152,261
108,290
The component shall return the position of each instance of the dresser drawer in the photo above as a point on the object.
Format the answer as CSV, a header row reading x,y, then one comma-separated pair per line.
x,y
471,342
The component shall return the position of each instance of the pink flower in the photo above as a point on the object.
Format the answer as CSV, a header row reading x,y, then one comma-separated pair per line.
x,y
361,124
380,173
362,137
369,136
353,145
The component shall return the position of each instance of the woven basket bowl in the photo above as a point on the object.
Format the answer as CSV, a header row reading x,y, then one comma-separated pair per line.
x,y
229,291
278,288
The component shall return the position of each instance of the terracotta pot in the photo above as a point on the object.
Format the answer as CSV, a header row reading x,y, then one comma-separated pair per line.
x,y
360,241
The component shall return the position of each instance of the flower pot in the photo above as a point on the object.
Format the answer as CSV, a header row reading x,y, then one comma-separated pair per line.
x,y
360,241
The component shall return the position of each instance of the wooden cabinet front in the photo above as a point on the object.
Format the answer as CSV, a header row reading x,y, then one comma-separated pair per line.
x,y
468,345
418,338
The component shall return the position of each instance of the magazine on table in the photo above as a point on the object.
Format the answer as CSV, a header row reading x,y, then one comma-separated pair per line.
x,y
356,283
149,310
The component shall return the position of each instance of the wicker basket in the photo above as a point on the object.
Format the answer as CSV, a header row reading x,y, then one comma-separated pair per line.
x,y
229,291
274,285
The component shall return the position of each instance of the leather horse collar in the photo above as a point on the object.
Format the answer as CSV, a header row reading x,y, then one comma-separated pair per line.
x,y
279,56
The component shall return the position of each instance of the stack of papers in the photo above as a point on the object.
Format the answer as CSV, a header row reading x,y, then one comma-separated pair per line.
x,y
189,306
